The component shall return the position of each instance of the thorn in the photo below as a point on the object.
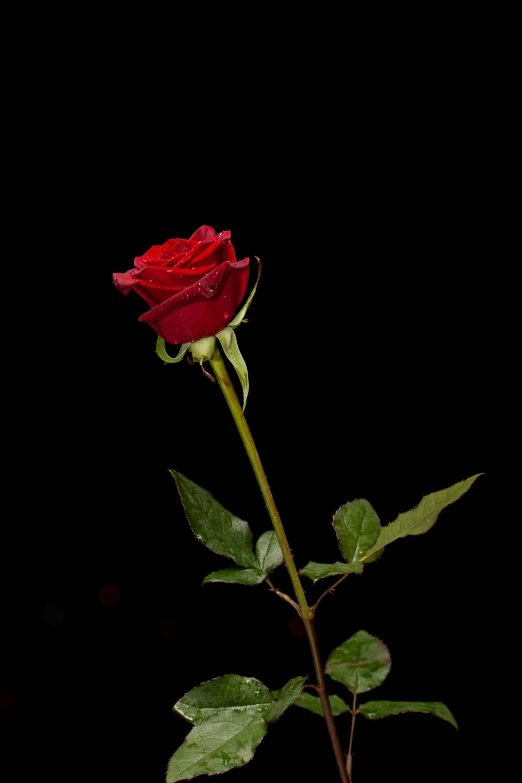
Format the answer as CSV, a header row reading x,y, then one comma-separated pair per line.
x,y
189,360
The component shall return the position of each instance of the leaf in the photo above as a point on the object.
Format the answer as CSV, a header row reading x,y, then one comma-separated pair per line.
x,y
287,696
361,663
357,526
375,556
240,576
229,692
163,355
228,341
268,551
317,571
313,703
381,709
219,743
421,518
241,314
213,525
372,558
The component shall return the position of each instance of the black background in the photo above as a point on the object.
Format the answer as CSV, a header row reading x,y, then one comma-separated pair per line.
x,y
372,345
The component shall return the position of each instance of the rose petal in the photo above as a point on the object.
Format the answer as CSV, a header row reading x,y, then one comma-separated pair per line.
x,y
203,232
196,281
124,281
204,308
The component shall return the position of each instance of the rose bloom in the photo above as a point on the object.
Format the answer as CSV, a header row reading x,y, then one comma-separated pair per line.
x,y
193,286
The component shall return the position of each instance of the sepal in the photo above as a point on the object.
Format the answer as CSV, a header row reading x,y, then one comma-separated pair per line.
x,y
163,355
228,341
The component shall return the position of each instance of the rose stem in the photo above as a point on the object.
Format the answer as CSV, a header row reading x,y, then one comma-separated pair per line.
x,y
229,393
350,757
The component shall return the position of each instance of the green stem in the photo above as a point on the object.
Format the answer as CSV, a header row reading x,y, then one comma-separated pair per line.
x,y
349,760
232,401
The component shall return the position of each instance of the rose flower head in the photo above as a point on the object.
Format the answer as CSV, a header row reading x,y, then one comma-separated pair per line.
x,y
193,286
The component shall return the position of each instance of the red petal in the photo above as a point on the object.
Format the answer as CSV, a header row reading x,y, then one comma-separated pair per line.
x,y
124,281
203,232
204,308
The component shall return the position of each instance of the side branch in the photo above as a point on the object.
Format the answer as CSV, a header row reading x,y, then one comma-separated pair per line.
x,y
284,596
331,589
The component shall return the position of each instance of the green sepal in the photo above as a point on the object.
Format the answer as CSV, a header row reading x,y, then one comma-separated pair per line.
x,y
235,322
228,341
163,355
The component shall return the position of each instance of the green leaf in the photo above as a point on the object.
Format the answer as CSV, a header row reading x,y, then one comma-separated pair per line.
x,y
228,341
357,526
421,518
268,551
213,525
381,709
240,576
241,314
361,663
287,696
163,355
230,692
375,556
317,571
221,742
313,703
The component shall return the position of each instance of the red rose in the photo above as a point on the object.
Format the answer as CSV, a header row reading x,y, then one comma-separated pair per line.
x,y
193,285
